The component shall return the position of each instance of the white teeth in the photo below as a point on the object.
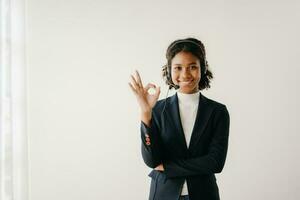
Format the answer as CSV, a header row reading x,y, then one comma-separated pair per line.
x,y
186,82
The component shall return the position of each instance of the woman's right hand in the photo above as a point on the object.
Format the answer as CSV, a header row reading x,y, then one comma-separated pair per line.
x,y
145,100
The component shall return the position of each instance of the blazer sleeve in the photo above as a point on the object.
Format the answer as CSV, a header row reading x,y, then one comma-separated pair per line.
x,y
151,143
213,161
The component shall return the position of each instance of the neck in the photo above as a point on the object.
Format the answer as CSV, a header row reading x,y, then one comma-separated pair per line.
x,y
192,92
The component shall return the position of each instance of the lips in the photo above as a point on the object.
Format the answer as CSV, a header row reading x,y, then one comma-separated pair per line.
x,y
185,82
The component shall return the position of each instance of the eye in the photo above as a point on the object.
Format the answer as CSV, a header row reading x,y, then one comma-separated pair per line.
x,y
177,68
194,67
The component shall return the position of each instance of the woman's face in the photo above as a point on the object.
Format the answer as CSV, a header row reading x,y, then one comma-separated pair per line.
x,y
185,72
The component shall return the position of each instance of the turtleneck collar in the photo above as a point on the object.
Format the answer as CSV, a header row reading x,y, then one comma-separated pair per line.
x,y
188,98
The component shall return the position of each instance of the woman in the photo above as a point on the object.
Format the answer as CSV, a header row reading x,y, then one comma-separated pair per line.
x,y
185,136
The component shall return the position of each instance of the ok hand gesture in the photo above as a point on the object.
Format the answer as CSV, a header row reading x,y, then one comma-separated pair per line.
x,y
145,100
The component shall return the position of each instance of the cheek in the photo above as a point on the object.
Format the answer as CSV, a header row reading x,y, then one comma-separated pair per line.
x,y
197,74
174,75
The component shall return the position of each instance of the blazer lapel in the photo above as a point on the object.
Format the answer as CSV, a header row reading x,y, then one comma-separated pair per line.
x,y
175,115
203,114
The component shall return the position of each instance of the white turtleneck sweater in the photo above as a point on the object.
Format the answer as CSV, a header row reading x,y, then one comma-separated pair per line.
x,y
188,106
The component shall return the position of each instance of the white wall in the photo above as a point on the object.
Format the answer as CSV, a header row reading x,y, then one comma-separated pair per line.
x,y
84,120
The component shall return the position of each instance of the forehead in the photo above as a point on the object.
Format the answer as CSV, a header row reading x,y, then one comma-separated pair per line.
x,y
184,58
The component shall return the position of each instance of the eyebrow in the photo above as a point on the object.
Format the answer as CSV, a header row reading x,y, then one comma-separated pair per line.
x,y
189,63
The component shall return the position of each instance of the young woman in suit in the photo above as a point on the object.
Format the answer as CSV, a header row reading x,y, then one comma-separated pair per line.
x,y
185,136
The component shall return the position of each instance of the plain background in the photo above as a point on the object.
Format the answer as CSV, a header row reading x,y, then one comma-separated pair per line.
x,y
84,139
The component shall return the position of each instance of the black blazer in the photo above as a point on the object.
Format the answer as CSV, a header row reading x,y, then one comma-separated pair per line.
x,y
164,142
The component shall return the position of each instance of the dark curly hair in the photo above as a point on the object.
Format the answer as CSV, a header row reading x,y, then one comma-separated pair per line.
x,y
195,47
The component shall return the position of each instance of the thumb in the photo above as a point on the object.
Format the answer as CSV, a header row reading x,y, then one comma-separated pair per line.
x,y
149,85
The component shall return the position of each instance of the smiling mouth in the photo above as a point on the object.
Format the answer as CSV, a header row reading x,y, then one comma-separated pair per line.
x,y
186,82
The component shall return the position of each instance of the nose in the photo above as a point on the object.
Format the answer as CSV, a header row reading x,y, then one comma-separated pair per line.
x,y
186,72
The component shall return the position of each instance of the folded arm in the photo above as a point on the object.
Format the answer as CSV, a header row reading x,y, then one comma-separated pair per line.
x,y
213,161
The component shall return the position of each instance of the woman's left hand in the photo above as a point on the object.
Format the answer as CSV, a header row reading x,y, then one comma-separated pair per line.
x,y
160,167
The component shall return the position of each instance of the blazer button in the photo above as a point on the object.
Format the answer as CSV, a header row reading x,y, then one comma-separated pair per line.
x,y
148,143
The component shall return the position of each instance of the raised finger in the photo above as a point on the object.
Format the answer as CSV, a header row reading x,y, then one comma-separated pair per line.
x,y
139,80
132,88
134,82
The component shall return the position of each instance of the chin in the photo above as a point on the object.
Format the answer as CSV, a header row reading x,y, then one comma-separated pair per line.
x,y
187,90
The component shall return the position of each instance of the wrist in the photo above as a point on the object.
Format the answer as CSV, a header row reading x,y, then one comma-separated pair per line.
x,y
146,117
